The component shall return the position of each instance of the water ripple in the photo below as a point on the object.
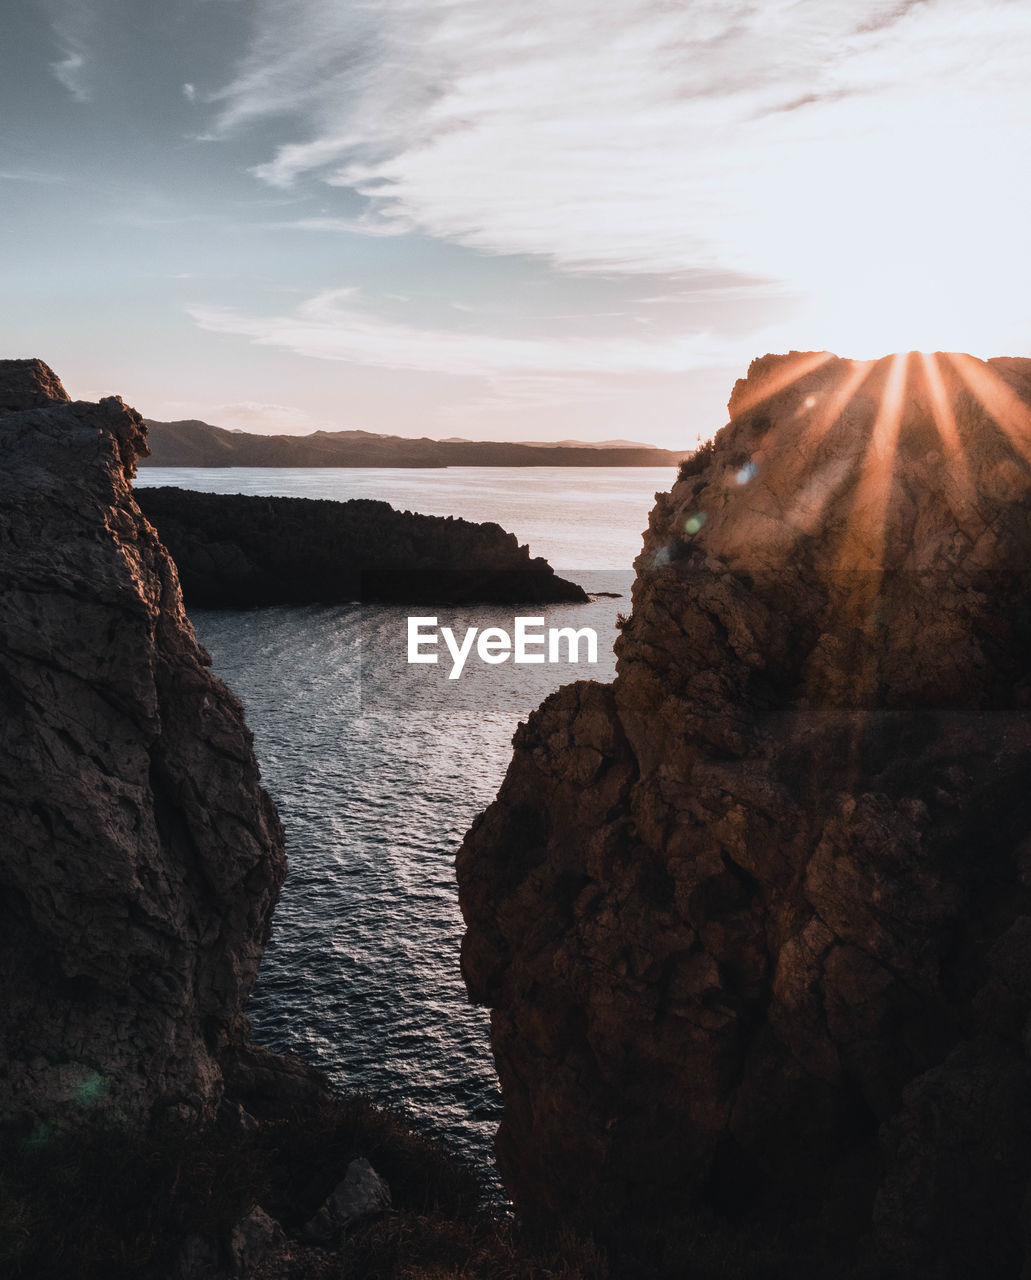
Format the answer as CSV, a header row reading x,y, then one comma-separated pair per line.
x,y
378,769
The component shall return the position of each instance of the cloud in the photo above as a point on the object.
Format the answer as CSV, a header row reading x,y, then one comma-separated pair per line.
x,y
333,326
365,226
73,23
190,92
30,175
69,71
825,144
886,15
298,158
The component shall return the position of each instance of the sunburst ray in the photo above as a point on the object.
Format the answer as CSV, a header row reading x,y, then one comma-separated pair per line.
x,y
806,510
864,542
791,371
944,416
999,400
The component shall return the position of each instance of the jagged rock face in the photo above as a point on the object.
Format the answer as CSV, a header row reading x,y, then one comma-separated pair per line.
x,y
754,922
141,859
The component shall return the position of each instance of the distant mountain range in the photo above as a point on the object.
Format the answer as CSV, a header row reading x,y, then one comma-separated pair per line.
x,y
199,444
567,444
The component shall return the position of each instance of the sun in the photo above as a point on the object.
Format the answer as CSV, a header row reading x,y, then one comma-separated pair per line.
x,y
907,252
903,308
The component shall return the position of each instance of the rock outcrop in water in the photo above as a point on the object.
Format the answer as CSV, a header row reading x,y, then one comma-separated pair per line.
x,y
235,551
754,922
141,858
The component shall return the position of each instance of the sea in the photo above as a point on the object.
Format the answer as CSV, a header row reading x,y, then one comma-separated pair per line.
x,y
378,767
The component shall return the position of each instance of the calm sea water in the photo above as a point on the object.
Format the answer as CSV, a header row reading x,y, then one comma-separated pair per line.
x,y
378,768
576,517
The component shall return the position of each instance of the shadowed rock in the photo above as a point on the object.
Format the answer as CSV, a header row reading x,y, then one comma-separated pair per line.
x,y
141,859
754,921
234,551
362,1194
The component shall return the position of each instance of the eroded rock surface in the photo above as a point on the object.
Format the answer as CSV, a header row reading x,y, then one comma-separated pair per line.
x,y
141,858
754,922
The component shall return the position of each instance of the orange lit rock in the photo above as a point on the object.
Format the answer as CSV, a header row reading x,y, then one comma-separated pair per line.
x,y
753,921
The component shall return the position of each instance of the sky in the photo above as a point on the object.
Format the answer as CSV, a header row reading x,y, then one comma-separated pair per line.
x,y
551,219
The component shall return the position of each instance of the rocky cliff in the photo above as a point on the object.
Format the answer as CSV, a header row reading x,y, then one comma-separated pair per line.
x,y
234,550
141,858
754,921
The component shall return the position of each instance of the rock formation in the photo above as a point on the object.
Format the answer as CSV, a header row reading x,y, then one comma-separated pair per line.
x,y
233,551
754,921
141,858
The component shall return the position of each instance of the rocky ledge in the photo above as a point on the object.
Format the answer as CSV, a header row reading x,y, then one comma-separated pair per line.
x,y
234,551
754,922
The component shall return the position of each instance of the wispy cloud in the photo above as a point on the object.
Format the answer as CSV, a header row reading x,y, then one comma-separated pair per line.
x,y
365,226
30,175
69,71
334,326
72,24
802,140
886,15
